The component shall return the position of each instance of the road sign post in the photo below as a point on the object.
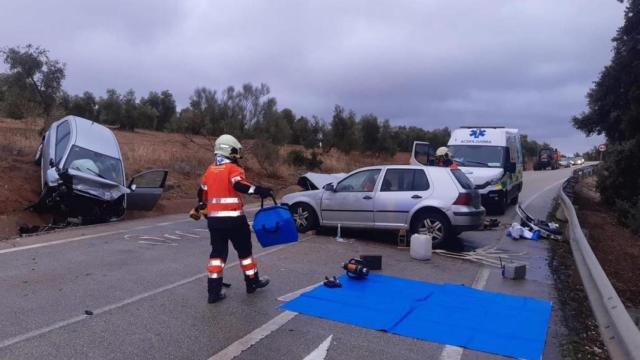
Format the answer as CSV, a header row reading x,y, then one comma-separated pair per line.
x,y
602,148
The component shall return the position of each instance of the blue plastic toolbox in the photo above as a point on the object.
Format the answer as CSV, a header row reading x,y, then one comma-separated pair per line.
x,y
274,225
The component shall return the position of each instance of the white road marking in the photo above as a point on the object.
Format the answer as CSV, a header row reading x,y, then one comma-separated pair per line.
x,y
450,352
34,333
172,237
320,353
253,337
34,246
481,279
157,243
292,295
260,333
187,234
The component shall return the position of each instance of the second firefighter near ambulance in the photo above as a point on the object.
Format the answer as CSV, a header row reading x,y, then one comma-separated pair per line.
x,y
219,196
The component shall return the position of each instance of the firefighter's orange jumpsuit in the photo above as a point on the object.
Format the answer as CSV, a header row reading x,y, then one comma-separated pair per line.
x,y
220,189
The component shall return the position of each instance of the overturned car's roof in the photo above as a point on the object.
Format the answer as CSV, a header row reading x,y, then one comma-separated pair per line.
x,y
93,136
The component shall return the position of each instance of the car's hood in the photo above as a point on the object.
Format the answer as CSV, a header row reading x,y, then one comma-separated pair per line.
x,y
97,187
315,181
481,175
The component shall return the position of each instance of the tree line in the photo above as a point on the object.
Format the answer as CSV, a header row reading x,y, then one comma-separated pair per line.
x,y
613,110
33,86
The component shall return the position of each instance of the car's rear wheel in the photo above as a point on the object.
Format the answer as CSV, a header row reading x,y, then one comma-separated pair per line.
x,y
304,216
434,224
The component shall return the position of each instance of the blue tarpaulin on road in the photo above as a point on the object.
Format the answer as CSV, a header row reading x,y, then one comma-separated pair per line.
x,y
480,320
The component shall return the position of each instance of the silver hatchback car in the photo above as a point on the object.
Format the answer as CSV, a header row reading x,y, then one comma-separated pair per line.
x,y
437,201
83,177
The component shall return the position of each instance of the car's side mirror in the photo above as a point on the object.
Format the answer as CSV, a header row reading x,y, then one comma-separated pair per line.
x,y
133,187
329,187
511,167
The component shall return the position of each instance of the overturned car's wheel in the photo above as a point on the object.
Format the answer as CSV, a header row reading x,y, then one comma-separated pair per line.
x,y
37,159
304,216
434,224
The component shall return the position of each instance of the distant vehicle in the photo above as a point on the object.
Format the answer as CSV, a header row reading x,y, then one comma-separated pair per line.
x,y
490,156
83,178
548,158
579,160
564,162
440,202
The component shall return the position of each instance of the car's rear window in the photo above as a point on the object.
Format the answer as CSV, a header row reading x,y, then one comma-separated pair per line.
x,y
463,180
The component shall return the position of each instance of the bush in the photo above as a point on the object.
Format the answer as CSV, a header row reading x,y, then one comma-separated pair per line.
x,y
629,215
299,159
268,157
296,158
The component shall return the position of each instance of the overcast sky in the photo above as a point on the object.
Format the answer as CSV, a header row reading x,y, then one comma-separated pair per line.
x,y
525,64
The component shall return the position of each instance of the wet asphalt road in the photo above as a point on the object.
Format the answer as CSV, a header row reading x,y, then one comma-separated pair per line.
x,y
144,282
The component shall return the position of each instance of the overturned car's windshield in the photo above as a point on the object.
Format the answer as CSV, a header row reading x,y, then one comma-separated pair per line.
x,y
93,163
477,156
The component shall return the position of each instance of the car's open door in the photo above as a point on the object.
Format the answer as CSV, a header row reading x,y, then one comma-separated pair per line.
x,y
146,189
422,153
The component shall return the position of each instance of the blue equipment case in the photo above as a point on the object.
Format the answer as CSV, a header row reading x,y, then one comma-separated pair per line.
x,y
274,225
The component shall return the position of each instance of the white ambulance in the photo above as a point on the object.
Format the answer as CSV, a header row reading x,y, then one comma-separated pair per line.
x,y
490,156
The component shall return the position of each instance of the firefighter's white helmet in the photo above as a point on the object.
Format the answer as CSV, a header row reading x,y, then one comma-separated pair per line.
x,y
227,145
441,151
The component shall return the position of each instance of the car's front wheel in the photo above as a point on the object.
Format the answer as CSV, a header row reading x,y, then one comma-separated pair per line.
x,y
433,224
304,216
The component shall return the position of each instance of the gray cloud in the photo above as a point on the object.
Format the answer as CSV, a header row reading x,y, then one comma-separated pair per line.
x,y
526,64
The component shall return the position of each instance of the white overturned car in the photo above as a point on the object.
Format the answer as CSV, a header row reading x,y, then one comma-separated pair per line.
x,y
437,201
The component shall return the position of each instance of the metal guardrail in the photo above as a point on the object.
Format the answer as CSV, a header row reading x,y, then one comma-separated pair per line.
x,y
618,332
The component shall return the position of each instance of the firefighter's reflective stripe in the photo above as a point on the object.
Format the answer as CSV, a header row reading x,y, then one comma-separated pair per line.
x,y
226,200
225,213
215,268
249,266
235,179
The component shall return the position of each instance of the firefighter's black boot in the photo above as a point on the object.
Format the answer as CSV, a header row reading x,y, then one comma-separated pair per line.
x,y
255,282
214,288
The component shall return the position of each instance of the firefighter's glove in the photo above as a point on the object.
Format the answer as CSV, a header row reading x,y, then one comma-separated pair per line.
x,y
263,192
195,214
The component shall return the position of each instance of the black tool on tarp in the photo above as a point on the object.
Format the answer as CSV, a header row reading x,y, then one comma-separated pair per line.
x,y
356,269
373,262
332,282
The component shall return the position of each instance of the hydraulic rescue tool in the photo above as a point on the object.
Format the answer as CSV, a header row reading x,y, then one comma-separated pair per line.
x,y
356,269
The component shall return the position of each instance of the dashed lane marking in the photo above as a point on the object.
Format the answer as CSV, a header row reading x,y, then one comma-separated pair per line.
x,y
320,353
253,337
292,295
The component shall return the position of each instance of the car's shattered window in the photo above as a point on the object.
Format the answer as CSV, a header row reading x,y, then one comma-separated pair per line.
x,y
93,163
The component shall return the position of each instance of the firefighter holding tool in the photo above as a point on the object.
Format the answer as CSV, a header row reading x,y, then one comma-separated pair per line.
x,y
219,195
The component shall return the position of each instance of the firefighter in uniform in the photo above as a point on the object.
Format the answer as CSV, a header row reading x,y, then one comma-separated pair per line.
x,y
219,194
443,158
